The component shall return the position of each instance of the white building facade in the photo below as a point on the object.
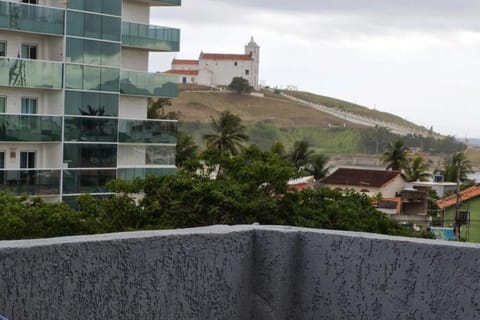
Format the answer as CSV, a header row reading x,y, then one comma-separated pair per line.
x,y
218,69
73,95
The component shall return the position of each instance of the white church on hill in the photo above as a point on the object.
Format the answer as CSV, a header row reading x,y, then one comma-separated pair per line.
x,y
218,69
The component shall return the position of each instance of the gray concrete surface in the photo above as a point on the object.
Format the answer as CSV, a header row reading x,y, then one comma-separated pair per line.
x,y
240,272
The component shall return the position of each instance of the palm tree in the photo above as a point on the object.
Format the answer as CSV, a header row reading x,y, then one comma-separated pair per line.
x,y
301,154
395,156
416,169
458,162
318,166
185,149
229,133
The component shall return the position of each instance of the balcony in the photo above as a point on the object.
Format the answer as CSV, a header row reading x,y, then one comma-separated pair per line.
x,y
150,37
16,72
147,131
30,181
129,174
31,18
162,2
146,84
30,128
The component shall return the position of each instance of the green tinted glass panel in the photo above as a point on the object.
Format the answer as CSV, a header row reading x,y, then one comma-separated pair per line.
x,y
3,104
94,26
150,37
87,181
147,131
141,155
26,128
91,104
113,7
90,155
148,84
94,52
17,72
130,174
31,18
166,2
31,182
90,129
92,78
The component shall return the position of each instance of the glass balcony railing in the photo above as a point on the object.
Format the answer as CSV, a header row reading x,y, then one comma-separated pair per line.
x,y
16,72
148,84
150,37
30,181
31,18
130,174
30,128
162,2
147,131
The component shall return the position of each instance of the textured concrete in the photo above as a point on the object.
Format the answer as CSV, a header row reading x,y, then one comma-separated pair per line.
x,y
242,272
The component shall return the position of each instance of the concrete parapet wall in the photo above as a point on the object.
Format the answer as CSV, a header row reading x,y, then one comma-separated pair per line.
x,y
240,272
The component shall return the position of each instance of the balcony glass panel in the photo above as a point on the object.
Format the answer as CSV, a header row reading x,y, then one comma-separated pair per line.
x,y
93,52
147,131
112,7
91,104
92,78
150,37
77,155
34,128
87,25
31,182
148,84
18,72
129,174
145,155
165,2
90,129
31,18
87,181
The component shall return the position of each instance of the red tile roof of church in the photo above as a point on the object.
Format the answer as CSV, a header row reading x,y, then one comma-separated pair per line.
x,y
184,61
183,72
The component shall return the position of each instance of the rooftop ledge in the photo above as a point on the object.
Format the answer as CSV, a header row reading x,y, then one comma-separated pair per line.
x,y
239,272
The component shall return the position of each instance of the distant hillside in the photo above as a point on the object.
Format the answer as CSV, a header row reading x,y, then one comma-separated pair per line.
x,y
275,118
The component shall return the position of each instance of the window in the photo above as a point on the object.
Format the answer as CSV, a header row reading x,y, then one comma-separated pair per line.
x,y
2,160
3,48
235,63
29,105
247,72
30,1
27,159
3,104
29,51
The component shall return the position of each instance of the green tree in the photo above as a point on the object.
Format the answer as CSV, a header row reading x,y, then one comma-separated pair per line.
x,y
416,169
278,148
301,154
318,166
395,156
186,148
240,85
156,109
229,133
457,162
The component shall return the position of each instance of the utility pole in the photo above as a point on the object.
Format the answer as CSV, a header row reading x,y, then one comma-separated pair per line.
x,y
457,205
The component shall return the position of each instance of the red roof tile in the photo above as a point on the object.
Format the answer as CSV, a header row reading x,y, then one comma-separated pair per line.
x,y
361,177
184,61
465,195
225,56
183,72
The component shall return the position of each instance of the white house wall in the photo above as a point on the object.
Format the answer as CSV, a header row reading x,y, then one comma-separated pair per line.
x,y
48,47
221,72
46,154
48,101
134,59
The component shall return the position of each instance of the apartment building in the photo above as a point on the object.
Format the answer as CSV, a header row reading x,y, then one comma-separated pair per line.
x,y
74,85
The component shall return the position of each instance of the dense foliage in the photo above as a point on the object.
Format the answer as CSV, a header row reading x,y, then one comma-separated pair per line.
x,y
249,187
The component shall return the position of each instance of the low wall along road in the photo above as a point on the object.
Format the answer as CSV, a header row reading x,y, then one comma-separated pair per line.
x,y
240,272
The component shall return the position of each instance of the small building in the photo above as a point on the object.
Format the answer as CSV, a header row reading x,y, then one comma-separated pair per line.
x,y
218,69
441,188
369,181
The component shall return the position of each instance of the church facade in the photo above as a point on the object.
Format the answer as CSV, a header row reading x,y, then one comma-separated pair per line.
x,y
218,69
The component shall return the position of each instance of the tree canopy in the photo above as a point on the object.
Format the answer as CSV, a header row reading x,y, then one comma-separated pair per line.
x,y
240,85
395,156
228,133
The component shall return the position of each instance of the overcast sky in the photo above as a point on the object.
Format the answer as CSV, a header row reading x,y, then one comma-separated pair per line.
x,y
419,59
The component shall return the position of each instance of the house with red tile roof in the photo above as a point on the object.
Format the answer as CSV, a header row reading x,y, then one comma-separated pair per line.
x,y
368,181
218,69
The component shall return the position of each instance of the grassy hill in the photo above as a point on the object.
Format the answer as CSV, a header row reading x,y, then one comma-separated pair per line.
x,y
274,118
